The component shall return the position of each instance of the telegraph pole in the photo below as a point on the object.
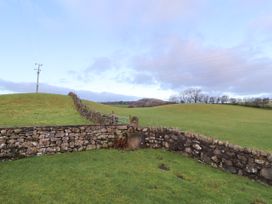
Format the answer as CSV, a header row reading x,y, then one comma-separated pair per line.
x,y
38,75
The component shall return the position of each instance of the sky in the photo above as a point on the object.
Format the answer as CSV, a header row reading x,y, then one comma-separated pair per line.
x,y
128,49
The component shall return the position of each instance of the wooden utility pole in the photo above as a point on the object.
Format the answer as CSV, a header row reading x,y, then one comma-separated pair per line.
x,y
38,75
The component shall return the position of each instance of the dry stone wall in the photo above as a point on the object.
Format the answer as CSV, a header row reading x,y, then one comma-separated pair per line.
x,y
30,141
232,158
96,117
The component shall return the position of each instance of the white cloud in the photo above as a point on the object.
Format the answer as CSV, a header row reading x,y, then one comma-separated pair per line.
x,y
172,64
189,63
159,63
23,87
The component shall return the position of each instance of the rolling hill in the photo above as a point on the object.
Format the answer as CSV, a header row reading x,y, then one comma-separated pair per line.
x,y
249,127
102,176
38,109
246,126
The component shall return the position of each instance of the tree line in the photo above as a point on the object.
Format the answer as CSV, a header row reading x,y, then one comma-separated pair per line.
x,y
196,95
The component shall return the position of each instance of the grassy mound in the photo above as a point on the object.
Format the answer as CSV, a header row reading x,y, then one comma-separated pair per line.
x,y
248,127
38,109
111,176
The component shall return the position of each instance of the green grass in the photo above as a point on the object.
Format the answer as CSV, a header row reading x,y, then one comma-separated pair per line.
x,y
38,109
111,176
249,127
120,106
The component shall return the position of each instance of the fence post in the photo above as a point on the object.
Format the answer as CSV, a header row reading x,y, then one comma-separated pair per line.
x,y
134,121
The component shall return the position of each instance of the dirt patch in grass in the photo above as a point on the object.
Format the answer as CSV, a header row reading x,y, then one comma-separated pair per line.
x,y
162,166
258,201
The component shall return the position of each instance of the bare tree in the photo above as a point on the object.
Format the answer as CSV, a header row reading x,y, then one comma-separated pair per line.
x,y
195,95
212,100
218,99
192,95
233,100
206,98
224,99
183,97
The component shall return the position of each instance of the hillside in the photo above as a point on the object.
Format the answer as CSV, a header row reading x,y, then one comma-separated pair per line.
x,y
246,126
38,109
131,176
111,176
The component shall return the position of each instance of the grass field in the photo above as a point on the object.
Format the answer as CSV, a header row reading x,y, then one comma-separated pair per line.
x,y
38,109
250,127
246,126
111,176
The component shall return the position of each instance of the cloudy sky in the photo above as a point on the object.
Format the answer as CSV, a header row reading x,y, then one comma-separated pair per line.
x,y
124,49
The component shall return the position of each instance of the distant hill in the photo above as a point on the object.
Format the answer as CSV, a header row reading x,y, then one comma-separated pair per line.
x,y
149,102
145,102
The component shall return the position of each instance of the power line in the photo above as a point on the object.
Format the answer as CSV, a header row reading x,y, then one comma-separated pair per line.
x,y
38,75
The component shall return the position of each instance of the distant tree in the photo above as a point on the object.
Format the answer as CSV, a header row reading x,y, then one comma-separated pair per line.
x,y
266,102
195,95
224,99
192,95
212,100
183,98
218,100
174,99
203,98
261,102
206,98
233,100
257,102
